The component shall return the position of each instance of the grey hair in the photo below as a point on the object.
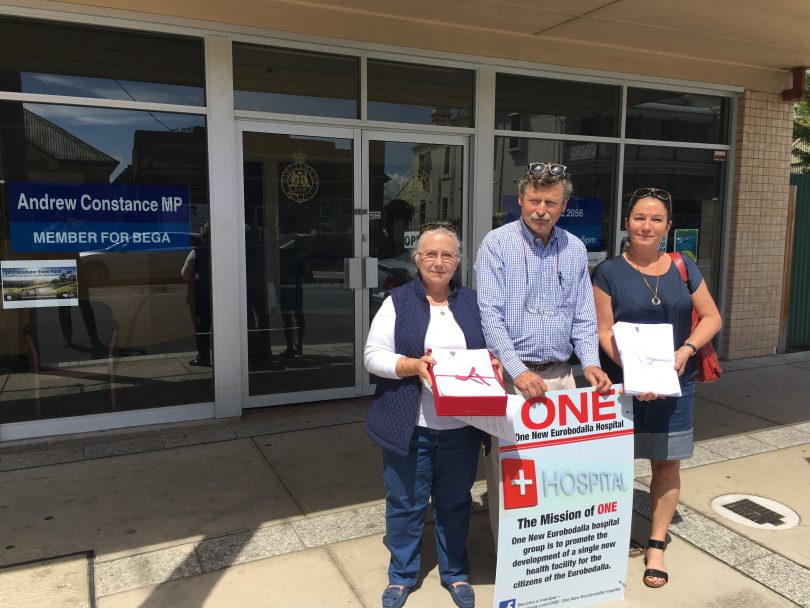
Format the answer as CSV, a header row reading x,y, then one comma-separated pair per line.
x,y
438,230
543,180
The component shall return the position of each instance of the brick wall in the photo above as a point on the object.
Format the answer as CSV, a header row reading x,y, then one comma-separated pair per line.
x,y
758,225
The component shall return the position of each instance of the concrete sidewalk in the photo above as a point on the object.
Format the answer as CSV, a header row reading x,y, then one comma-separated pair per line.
x,y
284,507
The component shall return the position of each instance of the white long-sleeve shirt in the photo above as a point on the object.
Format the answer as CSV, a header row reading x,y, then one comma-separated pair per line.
x,y
381,358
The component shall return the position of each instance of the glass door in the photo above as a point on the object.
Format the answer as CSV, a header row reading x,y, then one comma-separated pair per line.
x,y
409,180
300,303
331,217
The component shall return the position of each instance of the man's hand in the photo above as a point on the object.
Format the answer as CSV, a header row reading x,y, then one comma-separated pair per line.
x,y
597,378
530,384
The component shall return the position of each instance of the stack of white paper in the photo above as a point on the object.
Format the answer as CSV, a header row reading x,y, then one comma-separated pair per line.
x,y
648,358
500,426
465,373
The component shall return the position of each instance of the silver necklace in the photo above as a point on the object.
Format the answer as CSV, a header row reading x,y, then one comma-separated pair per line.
x,y
442,306
656,301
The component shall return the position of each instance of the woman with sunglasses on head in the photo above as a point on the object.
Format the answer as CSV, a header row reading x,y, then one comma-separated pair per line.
x,y
643,285
426,458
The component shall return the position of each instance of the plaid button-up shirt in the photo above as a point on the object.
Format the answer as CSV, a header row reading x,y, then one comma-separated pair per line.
x,y
536,301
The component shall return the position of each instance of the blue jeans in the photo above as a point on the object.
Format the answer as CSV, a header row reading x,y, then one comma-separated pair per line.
x,y
440,465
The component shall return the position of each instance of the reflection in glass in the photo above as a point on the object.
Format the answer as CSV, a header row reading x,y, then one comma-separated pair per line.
x,y
542,105
298,231
673,116
81,61
267,79
590,211
128,342
410,184
420,94
695,181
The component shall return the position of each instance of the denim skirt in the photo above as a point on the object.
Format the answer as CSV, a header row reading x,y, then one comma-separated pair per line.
x,y
663,427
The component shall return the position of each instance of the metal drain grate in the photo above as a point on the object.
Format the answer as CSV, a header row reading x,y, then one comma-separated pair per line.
x,y
757,513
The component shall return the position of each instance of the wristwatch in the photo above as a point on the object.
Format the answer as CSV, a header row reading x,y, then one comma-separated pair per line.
x,y
692,346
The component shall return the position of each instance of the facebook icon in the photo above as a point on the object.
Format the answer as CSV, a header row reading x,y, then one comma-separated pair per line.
x,y
507,604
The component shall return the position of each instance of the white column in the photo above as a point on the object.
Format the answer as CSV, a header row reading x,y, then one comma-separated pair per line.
x,y
483,160
227,229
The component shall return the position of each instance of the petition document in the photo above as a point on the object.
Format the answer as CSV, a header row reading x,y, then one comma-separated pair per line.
x,y
500,426
648,358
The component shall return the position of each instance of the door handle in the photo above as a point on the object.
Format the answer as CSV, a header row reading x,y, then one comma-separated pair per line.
x,y
353,273
370,275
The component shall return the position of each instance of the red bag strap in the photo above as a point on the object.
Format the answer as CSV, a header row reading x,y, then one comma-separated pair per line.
x,y
677,259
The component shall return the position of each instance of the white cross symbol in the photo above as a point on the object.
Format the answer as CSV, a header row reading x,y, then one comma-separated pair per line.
x,y
522,482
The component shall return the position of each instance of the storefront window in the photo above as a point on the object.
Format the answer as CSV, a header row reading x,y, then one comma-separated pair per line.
x,y
695,178
103,307
420,94
672,116
589,214
75,60
541,105
267,79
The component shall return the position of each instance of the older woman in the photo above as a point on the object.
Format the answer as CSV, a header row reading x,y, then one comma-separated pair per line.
x,y
425,456
643,285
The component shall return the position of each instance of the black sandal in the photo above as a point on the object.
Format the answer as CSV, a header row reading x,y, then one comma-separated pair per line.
x,y
652,572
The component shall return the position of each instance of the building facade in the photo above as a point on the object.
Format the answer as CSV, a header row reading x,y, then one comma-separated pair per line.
x,y
199,217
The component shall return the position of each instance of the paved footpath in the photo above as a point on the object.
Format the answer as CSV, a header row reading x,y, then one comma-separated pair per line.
x,y
284,507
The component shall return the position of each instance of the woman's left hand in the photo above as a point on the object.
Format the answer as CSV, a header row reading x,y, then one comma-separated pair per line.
x,y
496,367
681,357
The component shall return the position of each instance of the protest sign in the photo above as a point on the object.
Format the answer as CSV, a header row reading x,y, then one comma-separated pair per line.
x,y
565,500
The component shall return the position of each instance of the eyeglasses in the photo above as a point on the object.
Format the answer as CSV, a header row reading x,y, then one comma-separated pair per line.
x,y
661,195
436,226
554,169
432,256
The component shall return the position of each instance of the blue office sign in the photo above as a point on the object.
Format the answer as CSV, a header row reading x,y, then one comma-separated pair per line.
x,y
582,217
97,217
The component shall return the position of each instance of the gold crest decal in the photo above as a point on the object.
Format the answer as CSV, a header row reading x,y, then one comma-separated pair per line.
x,y
299,181
417,187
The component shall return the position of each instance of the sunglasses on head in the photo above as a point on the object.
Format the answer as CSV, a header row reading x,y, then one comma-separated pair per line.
x,y
436,225
661,195
554,169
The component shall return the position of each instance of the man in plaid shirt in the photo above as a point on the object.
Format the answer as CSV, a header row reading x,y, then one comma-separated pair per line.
x,y
536,299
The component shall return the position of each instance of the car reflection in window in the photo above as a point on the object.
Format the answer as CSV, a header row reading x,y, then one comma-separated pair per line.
x,y
119,263
391,272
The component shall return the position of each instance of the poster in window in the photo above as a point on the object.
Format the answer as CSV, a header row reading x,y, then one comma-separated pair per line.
x,y
39,283
686,241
